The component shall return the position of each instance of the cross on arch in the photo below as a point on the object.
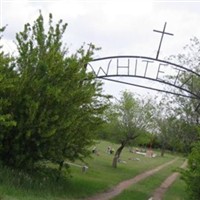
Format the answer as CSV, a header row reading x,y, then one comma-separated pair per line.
x,y
161,39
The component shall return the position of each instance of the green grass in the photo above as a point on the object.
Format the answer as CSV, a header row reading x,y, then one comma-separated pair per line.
x,y
176,191
144,190
99,177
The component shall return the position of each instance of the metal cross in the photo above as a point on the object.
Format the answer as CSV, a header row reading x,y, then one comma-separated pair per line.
x,y
163,32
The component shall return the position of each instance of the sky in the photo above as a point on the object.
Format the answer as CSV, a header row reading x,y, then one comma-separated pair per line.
x,y
119,27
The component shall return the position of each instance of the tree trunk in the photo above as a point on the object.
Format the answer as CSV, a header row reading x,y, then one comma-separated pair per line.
x,y
60,169
162,151
117,155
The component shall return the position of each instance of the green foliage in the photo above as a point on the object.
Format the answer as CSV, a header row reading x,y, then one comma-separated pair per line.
x,y
145,139
187,109
175,133
129,118
7,88
192,174
57,105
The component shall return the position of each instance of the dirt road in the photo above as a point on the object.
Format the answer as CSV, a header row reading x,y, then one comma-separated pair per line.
x,y
125,184
159,192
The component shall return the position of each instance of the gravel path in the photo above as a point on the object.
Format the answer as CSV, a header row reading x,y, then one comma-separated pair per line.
x,y
125,184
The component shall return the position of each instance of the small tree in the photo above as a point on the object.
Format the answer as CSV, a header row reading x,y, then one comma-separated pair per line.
x,y
127,120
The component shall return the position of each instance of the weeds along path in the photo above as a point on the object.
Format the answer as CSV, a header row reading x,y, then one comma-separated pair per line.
x,y
159,192
125,184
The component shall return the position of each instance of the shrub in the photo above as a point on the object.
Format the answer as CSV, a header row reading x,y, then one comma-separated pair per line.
x,y
192,175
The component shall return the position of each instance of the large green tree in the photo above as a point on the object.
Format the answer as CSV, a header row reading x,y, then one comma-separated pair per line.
x,y
188,110
183,119
57,104
7,83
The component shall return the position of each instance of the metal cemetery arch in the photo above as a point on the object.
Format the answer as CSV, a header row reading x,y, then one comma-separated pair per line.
x,y
112,69
151,69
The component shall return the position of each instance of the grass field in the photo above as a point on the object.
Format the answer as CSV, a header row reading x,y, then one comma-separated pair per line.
x,y
176,191
99,177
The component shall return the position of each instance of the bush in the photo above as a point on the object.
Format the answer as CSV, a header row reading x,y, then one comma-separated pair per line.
x,y
192,175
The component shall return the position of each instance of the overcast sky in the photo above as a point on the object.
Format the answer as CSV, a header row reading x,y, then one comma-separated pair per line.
x,y
119,27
